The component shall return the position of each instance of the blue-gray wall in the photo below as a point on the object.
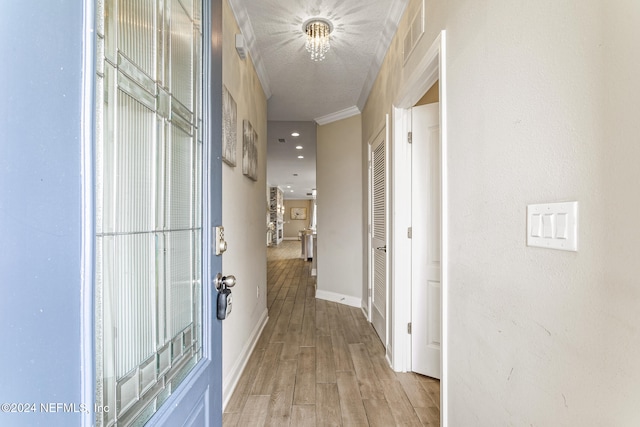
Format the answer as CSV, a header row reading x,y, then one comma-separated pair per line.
x,y
41,100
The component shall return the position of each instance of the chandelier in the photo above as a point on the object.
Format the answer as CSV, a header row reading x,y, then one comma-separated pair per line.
x,y
317,31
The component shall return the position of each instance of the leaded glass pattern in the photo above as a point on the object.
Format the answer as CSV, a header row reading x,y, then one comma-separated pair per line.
x,y
148,204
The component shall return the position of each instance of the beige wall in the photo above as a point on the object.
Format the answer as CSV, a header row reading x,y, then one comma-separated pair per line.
x,y
542,107
431,96
293,226
340,210
243,214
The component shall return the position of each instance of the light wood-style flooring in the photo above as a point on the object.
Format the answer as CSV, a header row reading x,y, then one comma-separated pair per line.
x,y
319,363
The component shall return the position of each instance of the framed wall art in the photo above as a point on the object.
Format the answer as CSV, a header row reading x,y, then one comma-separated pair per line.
x,y
298,213
229,127
249,151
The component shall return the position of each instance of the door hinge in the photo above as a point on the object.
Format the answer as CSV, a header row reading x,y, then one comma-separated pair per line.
x,y
409,328
410,137
409,232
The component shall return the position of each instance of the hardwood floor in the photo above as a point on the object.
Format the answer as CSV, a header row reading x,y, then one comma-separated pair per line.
x,y
319,363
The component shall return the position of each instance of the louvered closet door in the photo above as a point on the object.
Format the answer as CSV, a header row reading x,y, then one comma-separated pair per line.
x,y
149,165
378,197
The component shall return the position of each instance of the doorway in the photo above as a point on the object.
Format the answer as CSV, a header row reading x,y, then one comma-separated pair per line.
x,y
378,235
430,68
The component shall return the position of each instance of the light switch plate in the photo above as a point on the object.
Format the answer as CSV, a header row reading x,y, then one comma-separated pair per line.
x,y
553,226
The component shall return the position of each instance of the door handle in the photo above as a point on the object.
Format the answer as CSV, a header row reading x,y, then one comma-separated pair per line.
x,y
382,248
223,282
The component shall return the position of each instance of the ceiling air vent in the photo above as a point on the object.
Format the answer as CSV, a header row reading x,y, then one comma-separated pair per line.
x,y
415,31
281,140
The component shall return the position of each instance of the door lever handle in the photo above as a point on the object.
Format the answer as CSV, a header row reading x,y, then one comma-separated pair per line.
x,y
382,248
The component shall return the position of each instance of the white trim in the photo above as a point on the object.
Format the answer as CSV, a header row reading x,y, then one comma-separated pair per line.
x,y
242,18
87,124
338,115
230,382
291,238
444,147
400,243
389,29
388,194
339,298
424,75
430,68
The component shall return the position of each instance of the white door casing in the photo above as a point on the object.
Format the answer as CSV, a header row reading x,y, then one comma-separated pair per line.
x,y
425,242
430,66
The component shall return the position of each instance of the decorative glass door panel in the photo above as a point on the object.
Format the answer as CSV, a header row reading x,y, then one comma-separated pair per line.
x,y
148,204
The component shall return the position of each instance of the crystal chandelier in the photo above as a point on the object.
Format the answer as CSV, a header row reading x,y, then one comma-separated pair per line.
x,y
317,31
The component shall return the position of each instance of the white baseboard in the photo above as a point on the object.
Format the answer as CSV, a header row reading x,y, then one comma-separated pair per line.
x,y
230,381
292,238
339,298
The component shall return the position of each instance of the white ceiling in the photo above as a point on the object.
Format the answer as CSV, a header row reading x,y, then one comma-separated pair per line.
x,y
301,90
283,163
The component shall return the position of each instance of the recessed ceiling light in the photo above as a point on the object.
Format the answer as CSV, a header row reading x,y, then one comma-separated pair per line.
x,y
301,157
295,134
299,147
288,186
291,191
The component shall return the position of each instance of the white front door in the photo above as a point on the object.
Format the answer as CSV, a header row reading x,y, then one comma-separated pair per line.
x,y
425,242
378,236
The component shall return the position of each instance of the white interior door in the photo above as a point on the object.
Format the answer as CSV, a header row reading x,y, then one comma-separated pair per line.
x,y
378,236
426,239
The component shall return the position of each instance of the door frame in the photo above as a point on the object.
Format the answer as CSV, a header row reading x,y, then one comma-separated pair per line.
x,y
430,68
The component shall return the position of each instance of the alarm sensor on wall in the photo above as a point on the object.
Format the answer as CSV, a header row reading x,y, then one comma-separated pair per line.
x,y
240,46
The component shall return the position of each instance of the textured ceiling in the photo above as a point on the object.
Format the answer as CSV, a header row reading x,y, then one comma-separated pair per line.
x,y
298,88
301,90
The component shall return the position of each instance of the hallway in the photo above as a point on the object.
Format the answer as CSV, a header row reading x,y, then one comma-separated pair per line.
x,y
321,363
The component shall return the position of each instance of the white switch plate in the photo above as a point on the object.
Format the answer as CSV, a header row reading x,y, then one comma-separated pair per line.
x,y
553,226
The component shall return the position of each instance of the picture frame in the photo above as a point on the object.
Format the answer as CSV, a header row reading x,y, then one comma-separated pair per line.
x,y
229,127
249,151
298,213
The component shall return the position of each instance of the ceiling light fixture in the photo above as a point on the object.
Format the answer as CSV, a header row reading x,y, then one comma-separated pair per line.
x,y
295,134
301,157
298,147
317,31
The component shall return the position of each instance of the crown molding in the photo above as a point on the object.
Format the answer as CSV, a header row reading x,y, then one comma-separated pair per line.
x,y
338,115
388,31
242,18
